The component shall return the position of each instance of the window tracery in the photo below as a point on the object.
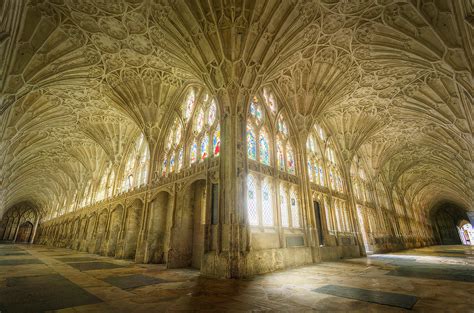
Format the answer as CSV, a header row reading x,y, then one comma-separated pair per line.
x,y
194,134
269,143
137,165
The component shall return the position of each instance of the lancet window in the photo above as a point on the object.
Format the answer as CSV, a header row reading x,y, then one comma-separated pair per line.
x,y
194,134
137,165
269,142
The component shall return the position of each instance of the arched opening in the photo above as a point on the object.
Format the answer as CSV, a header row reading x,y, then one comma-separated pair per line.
x,y
466,233
100,233
90,232
159,227
132,228
24,232
446,218
115,227
187,242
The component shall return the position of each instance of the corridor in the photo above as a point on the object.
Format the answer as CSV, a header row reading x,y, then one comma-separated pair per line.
x,y
39,278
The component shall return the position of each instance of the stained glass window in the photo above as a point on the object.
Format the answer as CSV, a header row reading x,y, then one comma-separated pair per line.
x,y
284,207
211,116
310,172
295,216
270,100
169,142
267,207
193,152
172,163
180,159
216,141
264,148
199,121
189,105
251,143
252,200
177,137
280,156
252,109
204,147
282,126
164,167
290,160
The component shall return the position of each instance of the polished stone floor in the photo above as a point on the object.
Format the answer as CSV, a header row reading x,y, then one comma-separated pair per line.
x,y
39,279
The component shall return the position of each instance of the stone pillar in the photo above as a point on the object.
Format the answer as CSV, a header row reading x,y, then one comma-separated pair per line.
x,y
35,227
16,230
232,243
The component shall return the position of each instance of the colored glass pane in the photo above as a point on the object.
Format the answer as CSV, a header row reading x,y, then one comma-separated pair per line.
x,y
180,159
211,115
189,105
216,141
264,149
270,100
177,136
164,166
193,152
290,160
310,172
258,113
172,163
204,147
280,156
251,144
199,121
321,176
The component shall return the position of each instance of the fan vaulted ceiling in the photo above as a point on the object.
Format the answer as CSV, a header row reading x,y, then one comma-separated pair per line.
x,y
391,80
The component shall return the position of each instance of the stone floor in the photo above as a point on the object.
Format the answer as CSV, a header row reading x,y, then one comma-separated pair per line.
x,y
39,278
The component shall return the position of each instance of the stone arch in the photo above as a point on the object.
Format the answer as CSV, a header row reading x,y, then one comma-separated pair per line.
x,y
115,227
25,231
159,227
101,232
187,238
132,228
89,232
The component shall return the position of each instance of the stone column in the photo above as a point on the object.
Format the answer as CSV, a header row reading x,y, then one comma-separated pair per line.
x,y
232,243
35,227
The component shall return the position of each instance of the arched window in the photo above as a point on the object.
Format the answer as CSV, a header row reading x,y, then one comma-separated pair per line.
x,y
267,203
136,168
359,181
269,143
264,147
251,143
101,193
285,220
252,200
256,128
315,160
295,217
289,205
194,134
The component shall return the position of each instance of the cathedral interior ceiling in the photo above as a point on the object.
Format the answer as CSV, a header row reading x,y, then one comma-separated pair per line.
x,y
390,80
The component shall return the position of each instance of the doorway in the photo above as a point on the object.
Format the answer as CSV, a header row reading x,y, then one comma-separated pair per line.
x,y
115,227
159,227
187,243
319,223
24,232
132,228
